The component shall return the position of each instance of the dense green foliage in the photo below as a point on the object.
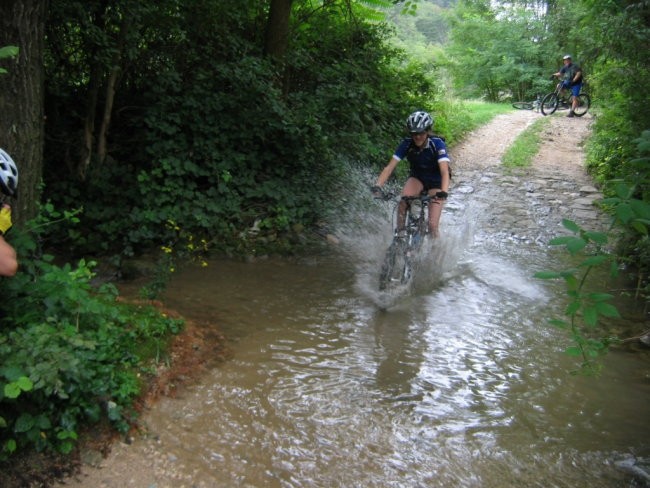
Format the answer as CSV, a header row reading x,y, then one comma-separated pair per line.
x,y
495,51
70,354
629,203
212,134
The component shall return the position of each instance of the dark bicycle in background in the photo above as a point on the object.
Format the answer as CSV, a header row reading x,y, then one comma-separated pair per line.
x,y
558,100
397,267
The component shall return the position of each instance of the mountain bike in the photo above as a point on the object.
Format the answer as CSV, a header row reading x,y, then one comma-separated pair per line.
x,y
556,100
532,105
397,268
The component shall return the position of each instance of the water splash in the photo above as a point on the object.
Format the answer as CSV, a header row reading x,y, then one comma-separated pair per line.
x,y
364,227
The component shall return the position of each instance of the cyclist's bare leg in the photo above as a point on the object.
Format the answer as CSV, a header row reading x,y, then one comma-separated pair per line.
x,y
435,211
412,188
574,100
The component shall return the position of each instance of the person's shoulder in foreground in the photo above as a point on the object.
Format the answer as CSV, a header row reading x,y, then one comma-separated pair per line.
x,y
8,187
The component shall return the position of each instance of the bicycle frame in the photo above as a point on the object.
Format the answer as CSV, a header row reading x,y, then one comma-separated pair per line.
x,y
531,105
556,100
416,225
397,266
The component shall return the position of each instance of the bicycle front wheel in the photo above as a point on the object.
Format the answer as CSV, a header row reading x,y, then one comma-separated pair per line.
x,y
523,105
584,102
396,268
550,103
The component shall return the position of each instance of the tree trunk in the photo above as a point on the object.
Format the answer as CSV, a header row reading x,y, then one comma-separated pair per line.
x,y
89,123
22,128
92,97
277,28
111,86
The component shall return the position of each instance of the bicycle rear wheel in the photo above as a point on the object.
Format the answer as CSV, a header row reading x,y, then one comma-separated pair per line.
x,y
396,268
523,105
549,103
584,102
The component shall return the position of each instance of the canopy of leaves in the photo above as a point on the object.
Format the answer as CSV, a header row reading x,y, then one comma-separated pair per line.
x,y
500,52
206,130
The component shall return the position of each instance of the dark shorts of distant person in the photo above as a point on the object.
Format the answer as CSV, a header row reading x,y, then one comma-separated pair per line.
x,y
575,89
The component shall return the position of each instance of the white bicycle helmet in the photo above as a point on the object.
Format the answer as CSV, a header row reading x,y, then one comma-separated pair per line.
x,y
566,56
419,122
8,174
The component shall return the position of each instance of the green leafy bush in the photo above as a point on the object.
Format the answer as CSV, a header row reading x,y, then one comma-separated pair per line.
x,y
70,352
628,200
586,307
241,151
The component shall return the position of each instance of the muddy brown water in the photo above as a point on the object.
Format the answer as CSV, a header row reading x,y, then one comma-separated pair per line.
x,y
458,381
455,382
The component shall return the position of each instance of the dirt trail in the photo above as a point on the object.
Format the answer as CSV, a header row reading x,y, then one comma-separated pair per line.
x,y
528,204
561,152
555,186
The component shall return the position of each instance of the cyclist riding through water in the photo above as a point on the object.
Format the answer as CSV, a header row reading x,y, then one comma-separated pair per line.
x,y
571,75
429,168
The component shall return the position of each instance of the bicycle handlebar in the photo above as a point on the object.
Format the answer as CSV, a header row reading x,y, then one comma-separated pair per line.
x,y
379,194
422,198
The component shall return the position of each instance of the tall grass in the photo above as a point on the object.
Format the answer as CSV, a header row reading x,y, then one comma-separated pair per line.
x,y
482,112
458,118
521,153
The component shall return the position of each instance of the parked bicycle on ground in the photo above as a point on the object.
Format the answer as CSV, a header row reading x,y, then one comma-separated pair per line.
x,y
397,267
531,105
559,100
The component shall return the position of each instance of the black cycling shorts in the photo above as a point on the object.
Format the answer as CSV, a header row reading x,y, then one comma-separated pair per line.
x,y
428,182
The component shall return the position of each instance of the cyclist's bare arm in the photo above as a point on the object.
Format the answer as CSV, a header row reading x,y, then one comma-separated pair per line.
x,y
444,173
387,171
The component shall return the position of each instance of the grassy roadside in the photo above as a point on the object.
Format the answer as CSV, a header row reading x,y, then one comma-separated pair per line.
x,y
454,119
522,151
482,112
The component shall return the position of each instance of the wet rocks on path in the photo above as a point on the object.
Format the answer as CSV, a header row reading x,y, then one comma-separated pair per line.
x,y
527,204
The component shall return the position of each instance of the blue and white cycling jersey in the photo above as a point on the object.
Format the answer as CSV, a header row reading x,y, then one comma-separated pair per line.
x,y
424,162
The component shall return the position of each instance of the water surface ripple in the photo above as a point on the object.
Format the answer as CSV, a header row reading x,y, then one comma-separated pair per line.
x,y
458,383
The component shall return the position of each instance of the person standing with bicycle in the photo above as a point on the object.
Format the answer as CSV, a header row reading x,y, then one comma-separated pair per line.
x,y
571,75
429,168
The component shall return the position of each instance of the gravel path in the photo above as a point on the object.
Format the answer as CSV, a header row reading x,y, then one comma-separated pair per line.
x,y
527,204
